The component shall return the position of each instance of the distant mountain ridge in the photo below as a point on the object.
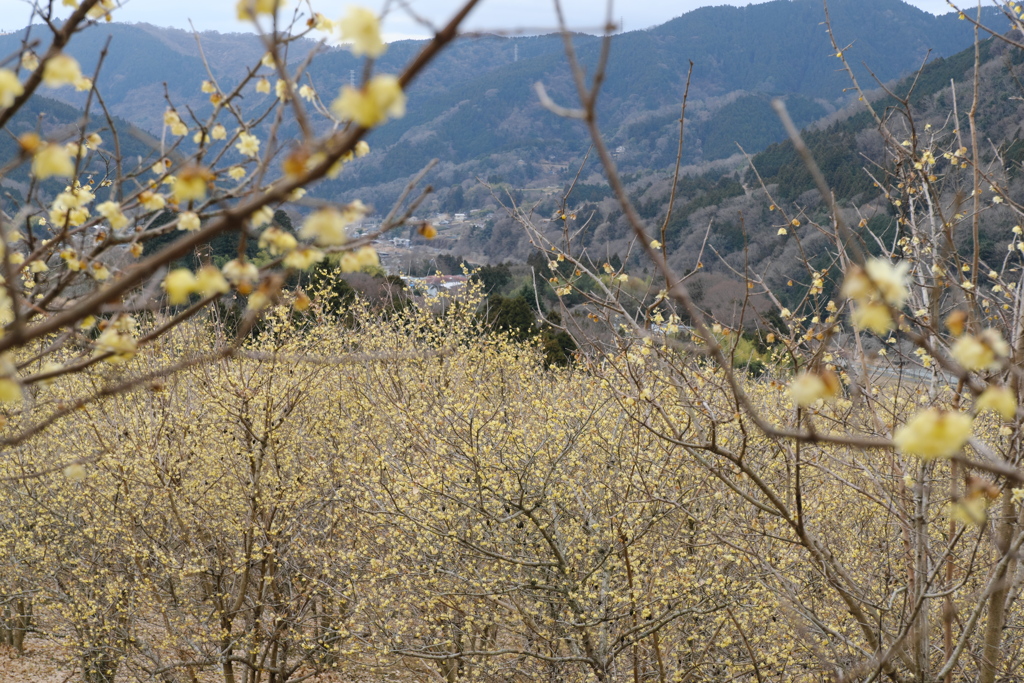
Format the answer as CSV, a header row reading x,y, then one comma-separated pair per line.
x,y
474,107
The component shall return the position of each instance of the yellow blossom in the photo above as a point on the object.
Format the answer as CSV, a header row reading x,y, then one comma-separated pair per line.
x,y
361,28
240,272
29,60
188,221
258,300
367,257
151,201
998,399
349,263
307,93
971,510
179,284
322,23
248,10
281,90
326,226
263,86
83,84
75,472
277,241
10,390
52,160
218,132
871,316
190,184
171,118
304,258
10,87
248,144
99,271
956,322
61,69
262,216
112,212
807,387
210,281
381,98
879,277
934,433
236,172
76,150
115,341
983,352
103,8
361,149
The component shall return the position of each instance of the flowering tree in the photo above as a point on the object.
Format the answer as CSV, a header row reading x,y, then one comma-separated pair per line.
x,y
90,245
89,281
884,443
457,511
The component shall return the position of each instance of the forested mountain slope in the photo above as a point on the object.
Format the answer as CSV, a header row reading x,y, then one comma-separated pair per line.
x,y
475,109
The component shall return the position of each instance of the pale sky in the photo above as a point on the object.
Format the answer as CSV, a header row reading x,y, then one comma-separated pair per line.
x,y
489,15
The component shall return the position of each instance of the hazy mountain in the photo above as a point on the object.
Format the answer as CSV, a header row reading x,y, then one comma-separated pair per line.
x,y
724,218
474,108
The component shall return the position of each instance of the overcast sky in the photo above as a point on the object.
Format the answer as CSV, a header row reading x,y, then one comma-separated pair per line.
x,y
490,15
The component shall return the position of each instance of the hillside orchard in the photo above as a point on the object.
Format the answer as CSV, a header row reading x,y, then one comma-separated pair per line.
x,y
237,471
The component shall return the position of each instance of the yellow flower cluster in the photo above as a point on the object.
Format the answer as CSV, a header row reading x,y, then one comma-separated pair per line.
x,y
303,258
361,29
327,226
378,100
61,69
248,10
986,351
242,274
181,283
118,338
934,433
808,388
52,160
874,289
10,87
359,260
248,144
191,183
277,241
998,399
174,122
71,206
112,212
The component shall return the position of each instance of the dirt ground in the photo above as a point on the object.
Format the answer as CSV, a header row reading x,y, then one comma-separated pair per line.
x,y
39,664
